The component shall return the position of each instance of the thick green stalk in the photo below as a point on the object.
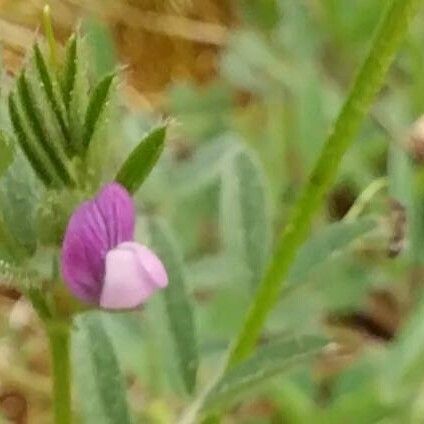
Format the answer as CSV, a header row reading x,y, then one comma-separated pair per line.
x,y
59,339
368,82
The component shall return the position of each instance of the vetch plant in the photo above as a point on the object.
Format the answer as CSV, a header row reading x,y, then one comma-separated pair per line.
x,y
76,250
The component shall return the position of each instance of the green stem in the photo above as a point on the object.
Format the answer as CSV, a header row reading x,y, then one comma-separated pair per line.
x,y
59,338
368,82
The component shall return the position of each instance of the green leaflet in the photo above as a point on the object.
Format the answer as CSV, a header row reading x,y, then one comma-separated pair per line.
x,y
19,195
268,361
52,95
320,247
100,385
75,89
142,160
97,103
48,117
245,223
70,70
32,153
178,304
35,118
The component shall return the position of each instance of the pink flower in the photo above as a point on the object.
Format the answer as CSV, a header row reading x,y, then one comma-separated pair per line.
x,y
101,263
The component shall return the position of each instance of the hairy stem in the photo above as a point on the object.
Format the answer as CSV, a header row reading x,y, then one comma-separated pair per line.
x,y
368,82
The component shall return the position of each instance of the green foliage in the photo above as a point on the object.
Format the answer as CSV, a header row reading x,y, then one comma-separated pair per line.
x,y
244,145
141,160
97,373
55,114
404,360
34,156
19,195
367,83
34,118
268,361
75,88
50,88
96,105
178,305
326,243
364,405
70,70
244,213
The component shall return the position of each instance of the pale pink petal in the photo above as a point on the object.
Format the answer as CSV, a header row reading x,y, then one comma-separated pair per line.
x,y
151,265
133,274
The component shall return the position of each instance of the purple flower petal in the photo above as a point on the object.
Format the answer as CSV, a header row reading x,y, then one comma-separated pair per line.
x,y
133,274
118,212
96,227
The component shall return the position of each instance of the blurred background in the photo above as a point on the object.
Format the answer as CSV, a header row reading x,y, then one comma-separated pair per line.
x,y
260,79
